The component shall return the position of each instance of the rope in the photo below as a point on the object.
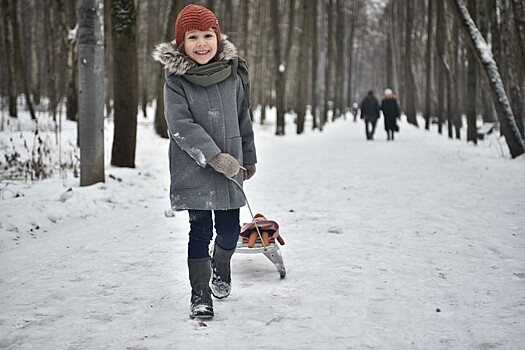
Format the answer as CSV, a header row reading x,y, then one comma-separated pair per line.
x,y
249,208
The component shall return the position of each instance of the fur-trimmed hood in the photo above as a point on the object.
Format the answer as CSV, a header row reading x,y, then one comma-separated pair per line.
x,y
175,62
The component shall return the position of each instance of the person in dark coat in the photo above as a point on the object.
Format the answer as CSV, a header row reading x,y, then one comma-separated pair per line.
x,y
391,113
206,104
355,110
370,113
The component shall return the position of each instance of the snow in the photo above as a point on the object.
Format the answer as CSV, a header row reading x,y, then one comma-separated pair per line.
x,y
412,244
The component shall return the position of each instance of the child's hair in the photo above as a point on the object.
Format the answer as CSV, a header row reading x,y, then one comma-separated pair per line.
x,y
195,17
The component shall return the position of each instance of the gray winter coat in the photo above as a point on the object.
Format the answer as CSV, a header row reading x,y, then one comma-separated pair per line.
x,y
203,122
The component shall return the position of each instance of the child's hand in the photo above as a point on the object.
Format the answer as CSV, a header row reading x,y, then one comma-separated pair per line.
x,y
225,164
250,171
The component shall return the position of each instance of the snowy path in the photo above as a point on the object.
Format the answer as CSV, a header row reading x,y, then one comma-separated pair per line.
x,y
379,235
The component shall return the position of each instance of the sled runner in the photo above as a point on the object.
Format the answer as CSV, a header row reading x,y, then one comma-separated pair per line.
x,y
260,236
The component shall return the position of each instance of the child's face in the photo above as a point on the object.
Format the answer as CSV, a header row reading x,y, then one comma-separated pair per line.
x,y
200,46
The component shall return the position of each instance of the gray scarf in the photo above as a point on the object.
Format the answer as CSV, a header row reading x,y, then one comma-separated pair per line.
x,y
215,72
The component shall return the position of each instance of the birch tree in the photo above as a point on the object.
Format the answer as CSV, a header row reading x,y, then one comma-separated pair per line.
x,y
91,91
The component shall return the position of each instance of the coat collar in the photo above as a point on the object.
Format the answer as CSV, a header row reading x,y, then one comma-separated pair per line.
x,y
175,62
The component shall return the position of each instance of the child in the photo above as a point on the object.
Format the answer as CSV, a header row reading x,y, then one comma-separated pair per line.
x,y
206,100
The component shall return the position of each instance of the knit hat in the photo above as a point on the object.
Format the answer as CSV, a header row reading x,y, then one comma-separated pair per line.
x,y
195,17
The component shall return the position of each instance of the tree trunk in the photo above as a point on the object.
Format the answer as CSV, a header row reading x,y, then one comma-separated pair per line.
x,y
428,86
518,7
410,89
340,48
355,13
314,68
509,127
161,127
108,59
7,14
20,59
52,75
70,43
91,91
279,68
36,53
125,82
454,118
511,37
303,66
321,62
329,66
472,83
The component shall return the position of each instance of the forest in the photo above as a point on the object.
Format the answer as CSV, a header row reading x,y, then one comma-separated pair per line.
x,y
453,63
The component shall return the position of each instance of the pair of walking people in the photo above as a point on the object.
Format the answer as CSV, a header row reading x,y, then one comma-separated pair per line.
x,y
370,112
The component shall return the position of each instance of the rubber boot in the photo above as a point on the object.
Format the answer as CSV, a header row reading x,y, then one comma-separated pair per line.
x,y
221,274
201,301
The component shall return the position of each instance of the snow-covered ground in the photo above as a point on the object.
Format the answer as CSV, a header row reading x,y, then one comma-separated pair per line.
x,y
413,244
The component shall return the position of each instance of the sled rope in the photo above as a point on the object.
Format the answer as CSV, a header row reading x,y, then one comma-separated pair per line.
x,y
249,208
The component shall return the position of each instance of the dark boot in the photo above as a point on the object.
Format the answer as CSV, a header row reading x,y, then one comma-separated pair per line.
x,y
200,274
221,274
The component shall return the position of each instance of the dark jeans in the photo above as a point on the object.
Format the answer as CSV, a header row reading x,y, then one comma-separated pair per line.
x,y
227,228
370,122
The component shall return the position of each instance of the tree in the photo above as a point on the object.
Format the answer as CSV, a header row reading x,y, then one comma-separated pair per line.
x,y
9,57
20,61
91,91
472,84
125,82
168,23
509,127
428,86
410,88
69,39
303,65
279,69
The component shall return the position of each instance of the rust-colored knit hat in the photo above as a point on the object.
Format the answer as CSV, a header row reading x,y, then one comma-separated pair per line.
x,y
195,17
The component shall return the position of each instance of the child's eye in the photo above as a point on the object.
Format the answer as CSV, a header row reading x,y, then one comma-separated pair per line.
x,y
209,36
192,37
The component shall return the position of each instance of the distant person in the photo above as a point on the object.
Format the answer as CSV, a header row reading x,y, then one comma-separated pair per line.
x,y
206,107
370,113
391,113
354,110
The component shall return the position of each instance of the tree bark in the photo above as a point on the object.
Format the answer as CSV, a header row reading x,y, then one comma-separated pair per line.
x,y
314,68
161,127
10,57
410,90
428,79
279,68
125,82
472,84
70,43
20,60
91,91
303,66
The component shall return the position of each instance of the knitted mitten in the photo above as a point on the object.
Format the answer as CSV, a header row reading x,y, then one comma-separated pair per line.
x,y
225,163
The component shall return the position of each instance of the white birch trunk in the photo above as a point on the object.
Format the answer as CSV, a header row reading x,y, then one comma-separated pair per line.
x,y
91,90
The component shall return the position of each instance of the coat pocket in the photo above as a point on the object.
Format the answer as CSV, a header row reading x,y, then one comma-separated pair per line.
x,y
185,172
